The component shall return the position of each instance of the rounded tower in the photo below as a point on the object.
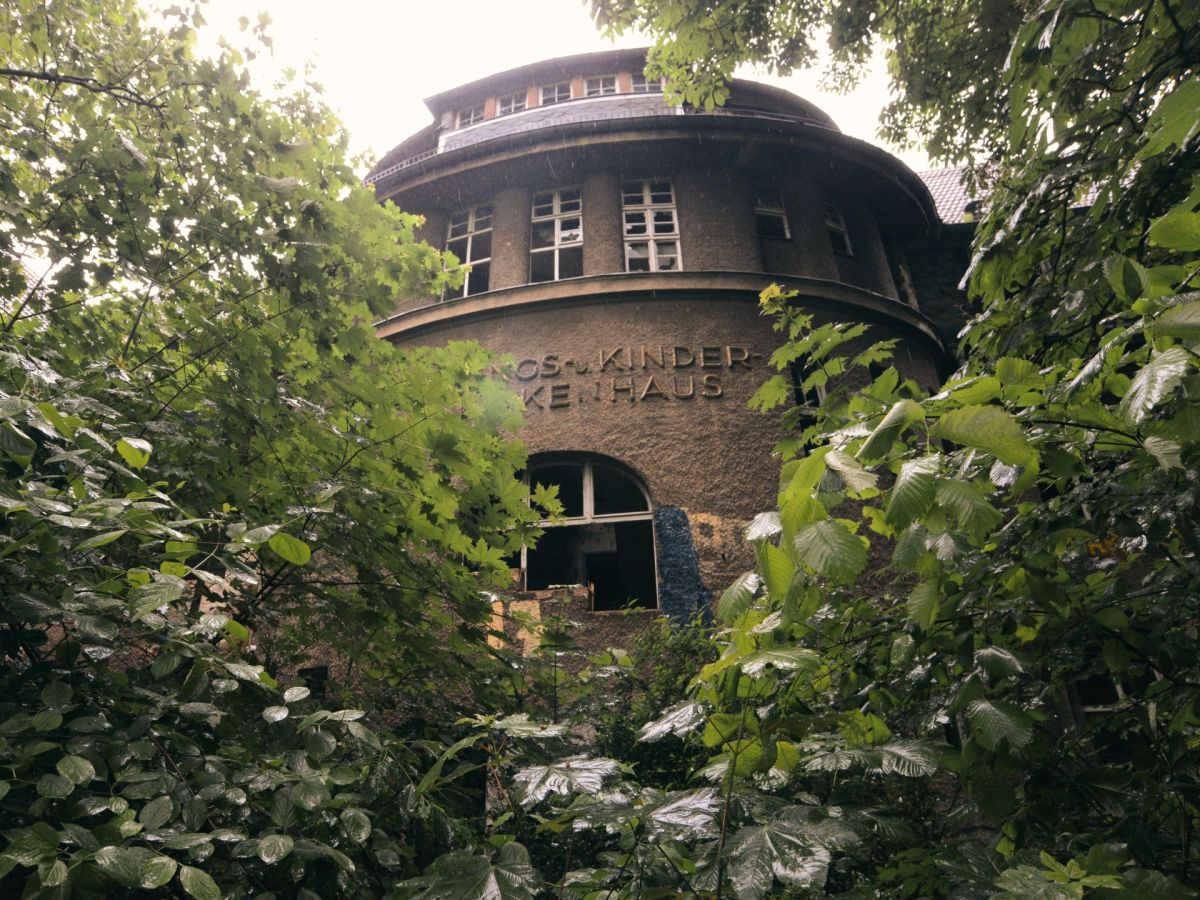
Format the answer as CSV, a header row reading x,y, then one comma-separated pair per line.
x,y
616,249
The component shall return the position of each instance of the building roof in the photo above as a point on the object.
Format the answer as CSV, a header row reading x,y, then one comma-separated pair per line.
x,y
956,205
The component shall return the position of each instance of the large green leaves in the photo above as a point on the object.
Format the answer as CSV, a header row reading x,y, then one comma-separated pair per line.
x,y
877,445
576,774
1153,383
986,428
465,876
831,550
996,722
777,850
912,493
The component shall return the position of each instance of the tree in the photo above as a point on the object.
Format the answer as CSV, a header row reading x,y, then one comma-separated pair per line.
x,y
209,269
207,460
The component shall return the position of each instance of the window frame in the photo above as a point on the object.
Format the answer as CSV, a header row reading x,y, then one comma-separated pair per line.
x,y
517,97
472,231
640,84
542,101
589,516
474,113
603,82
557,216
647,208
839,234
765,210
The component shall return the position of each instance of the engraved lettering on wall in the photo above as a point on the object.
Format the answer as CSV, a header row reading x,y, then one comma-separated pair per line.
x,y
645,373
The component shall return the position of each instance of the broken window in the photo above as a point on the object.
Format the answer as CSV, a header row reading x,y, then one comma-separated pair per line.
x,y
651,226
605,540
556,236
469,237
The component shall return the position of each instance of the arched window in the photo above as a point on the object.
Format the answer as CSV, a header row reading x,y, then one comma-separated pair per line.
x,y
604,541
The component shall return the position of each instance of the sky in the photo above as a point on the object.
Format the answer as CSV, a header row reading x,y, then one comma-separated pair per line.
x,y
378,60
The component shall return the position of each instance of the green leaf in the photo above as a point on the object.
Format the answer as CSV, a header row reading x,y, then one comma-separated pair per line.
x,y
435,771
357,824
198,884
923,603
100,540
290,549
1154,382
275,713
259,535
970,508
274,847
575,774
120,864
156,871
680,719
1126,277
55,875
56,787
295,694
912,759
986,428
879,443
785,659
998,662
851,471
1179,228
777,570
761,854
146,598
738,597
156,813
1174,122
912,494
310,794
830,550
1181,321
135,451
16,443
462,875
993,722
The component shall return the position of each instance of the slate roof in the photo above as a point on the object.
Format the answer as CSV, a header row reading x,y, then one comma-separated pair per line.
x,y
954,204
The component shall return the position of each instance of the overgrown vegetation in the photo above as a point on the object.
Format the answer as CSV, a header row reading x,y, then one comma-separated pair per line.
x,y
195,410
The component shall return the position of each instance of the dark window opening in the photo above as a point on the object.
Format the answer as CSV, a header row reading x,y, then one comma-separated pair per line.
x,y
604,541
615,561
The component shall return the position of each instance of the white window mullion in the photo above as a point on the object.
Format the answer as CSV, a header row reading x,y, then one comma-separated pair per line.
x,y
589,504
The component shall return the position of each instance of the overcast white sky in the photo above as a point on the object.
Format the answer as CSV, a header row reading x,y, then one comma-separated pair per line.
x,y
378,60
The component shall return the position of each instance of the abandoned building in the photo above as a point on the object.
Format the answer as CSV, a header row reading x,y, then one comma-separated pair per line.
x,y
615,248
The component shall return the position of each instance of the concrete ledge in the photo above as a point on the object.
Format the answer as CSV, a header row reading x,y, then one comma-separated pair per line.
x,y
815,293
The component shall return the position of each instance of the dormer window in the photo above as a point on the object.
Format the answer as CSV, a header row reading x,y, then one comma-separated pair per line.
x,y
470,115
556,93
600,87
644,85
511,103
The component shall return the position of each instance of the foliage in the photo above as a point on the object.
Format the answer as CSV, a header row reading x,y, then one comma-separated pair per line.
x,y
140,749
946,60
203,444
965,664
204,266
